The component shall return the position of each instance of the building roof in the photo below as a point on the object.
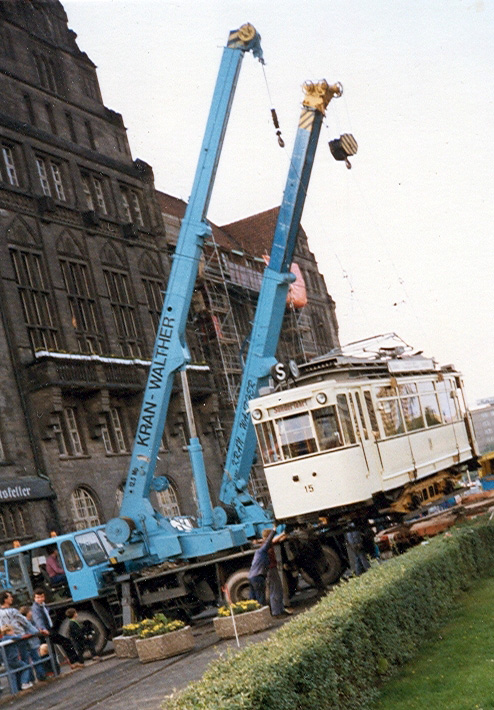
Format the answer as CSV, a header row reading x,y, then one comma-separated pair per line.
x,y
253,234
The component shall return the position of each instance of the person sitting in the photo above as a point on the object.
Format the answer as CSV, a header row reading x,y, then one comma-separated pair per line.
x,y
55,571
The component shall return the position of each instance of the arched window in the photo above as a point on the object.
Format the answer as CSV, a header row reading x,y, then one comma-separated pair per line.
x,y
168,502
84,511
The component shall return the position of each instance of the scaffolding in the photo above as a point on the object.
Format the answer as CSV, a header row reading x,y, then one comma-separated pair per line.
x,y
219,306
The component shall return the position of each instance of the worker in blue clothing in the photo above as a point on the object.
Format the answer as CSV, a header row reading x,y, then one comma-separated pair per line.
x,y
259,567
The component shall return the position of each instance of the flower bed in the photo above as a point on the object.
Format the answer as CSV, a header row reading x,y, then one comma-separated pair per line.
x,y
165,645
249,620
152,639
125,644
335,654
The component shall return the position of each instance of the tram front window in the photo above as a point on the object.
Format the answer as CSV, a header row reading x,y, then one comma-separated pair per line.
x,y
297,438
328,432
268,443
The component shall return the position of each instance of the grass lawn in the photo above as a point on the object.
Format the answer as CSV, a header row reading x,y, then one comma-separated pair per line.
x,y
454,670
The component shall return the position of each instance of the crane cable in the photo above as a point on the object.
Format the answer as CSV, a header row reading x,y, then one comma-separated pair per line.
x,y
274,115
345,275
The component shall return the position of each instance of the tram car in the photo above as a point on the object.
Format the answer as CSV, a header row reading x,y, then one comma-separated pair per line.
x,y
387,434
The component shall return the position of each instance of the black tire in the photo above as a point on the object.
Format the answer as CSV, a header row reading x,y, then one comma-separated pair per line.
x,y
330,567
100,632
237,586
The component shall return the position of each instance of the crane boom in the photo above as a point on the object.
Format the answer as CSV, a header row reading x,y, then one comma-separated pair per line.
x,y
271,303
171,353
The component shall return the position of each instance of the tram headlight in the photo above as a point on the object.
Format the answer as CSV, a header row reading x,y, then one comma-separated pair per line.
x,y
321,398
256,414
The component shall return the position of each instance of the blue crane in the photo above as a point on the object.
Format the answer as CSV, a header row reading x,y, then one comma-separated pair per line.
x,y
142,534
271,303
148,534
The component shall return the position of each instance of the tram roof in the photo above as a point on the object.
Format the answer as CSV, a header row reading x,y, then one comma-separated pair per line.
x,y
339,366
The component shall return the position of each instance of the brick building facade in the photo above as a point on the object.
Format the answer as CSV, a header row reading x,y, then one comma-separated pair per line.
x,y
85,245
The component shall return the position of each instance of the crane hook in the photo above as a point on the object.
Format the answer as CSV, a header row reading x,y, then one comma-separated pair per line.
x,y
281,142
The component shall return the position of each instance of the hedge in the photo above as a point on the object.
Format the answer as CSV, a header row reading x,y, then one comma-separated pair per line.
x,y
334,655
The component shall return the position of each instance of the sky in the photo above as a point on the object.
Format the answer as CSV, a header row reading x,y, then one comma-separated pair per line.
x,y
403,239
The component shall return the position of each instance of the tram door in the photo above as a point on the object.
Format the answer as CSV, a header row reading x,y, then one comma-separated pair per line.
x,y
366,429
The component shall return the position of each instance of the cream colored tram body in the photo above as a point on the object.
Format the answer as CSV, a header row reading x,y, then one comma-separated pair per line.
x,y
389,433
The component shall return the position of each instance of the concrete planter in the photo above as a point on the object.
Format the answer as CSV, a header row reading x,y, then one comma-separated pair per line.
x,y
166,645
125,646
247,623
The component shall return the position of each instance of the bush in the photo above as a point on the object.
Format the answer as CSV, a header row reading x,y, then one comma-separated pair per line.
x,y
334,655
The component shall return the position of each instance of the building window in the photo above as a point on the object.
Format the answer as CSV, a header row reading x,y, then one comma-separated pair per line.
x,y
8,172
47,74
71,126
131,202
82,304
51,118
67,433
112,432
50,177
6,46
90,135
90,84
84,511
35,299
123,312
28,103
154,297
14,523
168,502
94,190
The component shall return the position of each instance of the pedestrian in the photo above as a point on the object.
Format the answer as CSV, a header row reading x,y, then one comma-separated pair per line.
x,y
274,582
13,655
308,556
11,616
42,621
33,642
259,568
55,571
79,636
355,550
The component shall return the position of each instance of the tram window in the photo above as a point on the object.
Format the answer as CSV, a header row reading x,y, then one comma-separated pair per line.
x,y
297,438
391,417
362,418
327,429
447,402
345,419
429,402
268,442
372,413
412,413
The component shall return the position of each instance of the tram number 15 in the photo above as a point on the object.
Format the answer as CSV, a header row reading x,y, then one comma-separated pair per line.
x,y
309,488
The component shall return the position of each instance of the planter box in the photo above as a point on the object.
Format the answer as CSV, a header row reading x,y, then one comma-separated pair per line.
x,y
247,623
166,645
125,646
